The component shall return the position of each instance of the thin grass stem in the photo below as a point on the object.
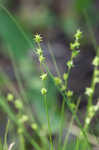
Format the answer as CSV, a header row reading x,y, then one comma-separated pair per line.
x,y
49,127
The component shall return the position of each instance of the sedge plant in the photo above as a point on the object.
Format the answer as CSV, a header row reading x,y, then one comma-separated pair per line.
x,y
22,119
62,86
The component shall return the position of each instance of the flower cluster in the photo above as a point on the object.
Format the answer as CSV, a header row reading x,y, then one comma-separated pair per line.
x,y
38,38
96,79
89,91
75,48
17,102
21,117
43,91
43,76
10,97
96,72
96,61
69,93
41,58
34,126
78,35
39,51
91,112
65,76
57,81
76,44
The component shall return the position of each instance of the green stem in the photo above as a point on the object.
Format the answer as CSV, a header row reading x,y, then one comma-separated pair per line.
x,y
61,123
5,137
49,127
70,126
54,61
68,104
77,144
11,115
93,84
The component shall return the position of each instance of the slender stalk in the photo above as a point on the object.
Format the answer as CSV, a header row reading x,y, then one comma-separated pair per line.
x,y
49,127
77,144
23,94
11,115
5,137
70,126
54,61
88,23
68,104
61,123
22,142
63,102
93,84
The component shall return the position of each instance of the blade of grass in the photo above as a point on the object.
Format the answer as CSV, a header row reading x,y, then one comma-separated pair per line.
x,y
15,28
69,105
11,114
1,145
23,92
70,126
54,61
5,146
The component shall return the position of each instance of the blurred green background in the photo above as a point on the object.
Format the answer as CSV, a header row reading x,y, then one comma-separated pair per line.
x,y
56,21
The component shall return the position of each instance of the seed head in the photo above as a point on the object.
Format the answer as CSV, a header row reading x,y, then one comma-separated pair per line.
x,y
18,104
43,76
43,91
34,126
78,35
39,51
23,119
41,59
63,88
88,91
57,80
70,93
87,121
70,64
65,76
96,61
10,97
38,38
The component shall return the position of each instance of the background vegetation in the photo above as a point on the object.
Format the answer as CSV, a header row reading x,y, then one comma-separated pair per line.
x,y
56,21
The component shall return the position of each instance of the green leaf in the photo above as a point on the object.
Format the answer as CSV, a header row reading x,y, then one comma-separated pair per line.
x,y
12,34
